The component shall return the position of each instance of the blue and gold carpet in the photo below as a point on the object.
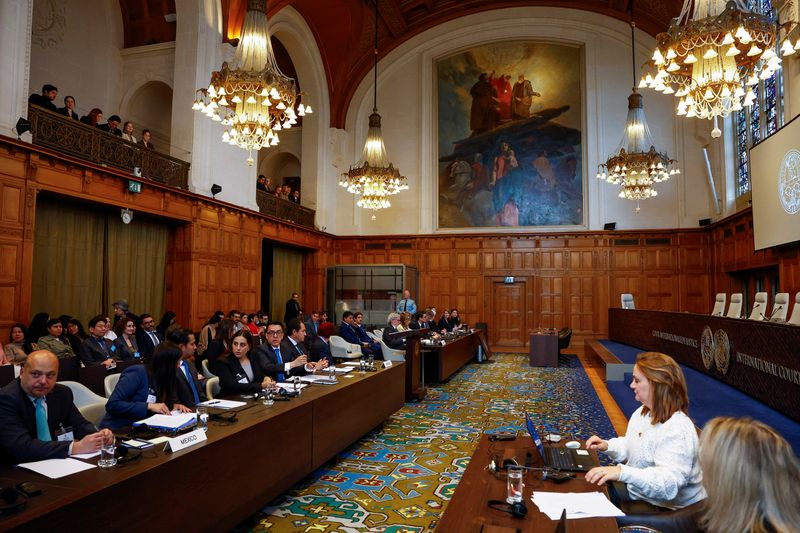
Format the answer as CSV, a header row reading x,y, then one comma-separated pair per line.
x,y
399,478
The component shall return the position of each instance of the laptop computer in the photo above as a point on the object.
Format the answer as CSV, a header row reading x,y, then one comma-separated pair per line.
x,y
561,458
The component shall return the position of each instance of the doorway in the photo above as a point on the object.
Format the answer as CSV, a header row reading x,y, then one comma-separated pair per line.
x,y
508,311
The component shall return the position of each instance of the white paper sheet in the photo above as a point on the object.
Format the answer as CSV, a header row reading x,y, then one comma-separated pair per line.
x,y
290,386
322,380
351,363
223,404
56,468
173,421
577,504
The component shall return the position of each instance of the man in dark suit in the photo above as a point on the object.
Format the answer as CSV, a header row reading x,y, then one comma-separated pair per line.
x,y
347,331
36,412
393,342
147,337
96,349
320,349
146,135
112,126
361,332
69,108
312,324
278,361
45,100
292,308
190,384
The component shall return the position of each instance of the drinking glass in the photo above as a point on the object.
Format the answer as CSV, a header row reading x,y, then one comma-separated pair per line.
x,y
514,484
202,417
108,455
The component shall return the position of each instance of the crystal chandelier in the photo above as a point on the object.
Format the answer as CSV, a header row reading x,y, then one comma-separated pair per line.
x,y
376,178
251,97
636,166
712,55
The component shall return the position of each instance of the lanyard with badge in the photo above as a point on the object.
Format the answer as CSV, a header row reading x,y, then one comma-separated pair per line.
x,y
64,433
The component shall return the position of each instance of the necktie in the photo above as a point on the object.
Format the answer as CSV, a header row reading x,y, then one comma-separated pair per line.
x,y
405,305
102,345
280,363
191,382
155,339
42,430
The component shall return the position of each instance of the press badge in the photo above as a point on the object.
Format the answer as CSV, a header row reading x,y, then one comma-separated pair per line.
x,y
242,379
65,434
151,396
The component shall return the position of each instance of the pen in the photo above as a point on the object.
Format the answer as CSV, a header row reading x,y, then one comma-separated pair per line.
x,y
213,402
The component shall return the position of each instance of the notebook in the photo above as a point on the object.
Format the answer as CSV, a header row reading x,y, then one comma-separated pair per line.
x,y
561,458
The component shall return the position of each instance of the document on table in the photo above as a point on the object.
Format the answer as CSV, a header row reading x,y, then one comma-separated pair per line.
x,y
223,404
289,387
577,504
173,421
85,455
340,370
352,363
56,468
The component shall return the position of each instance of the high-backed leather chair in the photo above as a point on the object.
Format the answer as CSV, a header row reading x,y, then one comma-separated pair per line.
x,y
780,308
719,304
795,318
735,308
759,306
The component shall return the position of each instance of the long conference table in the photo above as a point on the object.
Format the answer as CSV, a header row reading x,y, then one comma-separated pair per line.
x,y
759,358
215,485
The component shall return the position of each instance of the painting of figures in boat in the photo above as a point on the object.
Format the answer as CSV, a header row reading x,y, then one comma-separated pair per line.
x,y
510,136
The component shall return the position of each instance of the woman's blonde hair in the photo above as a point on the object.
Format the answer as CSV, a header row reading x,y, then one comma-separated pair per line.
x,y
667,385
751,476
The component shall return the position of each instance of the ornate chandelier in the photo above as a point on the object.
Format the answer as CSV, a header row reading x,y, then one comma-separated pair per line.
x,y
251,97
712,55
376,178
636,166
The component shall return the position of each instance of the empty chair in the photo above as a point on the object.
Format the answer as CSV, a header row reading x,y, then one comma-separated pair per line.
x,y
373,336
759,307
206,372
735,308
627,301
92,406
719,304
344,350
109,383
212,387
564,337
781,307
795,318
390,354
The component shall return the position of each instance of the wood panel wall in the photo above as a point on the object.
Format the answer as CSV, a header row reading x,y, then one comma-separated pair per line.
x,y
564,279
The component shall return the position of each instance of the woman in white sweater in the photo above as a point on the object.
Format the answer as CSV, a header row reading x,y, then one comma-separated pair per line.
x,y
658,459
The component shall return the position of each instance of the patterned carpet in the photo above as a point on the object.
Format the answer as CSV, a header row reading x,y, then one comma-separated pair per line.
x,y
399,478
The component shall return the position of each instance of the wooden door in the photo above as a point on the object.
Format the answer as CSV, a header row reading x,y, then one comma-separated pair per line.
x,y
508,313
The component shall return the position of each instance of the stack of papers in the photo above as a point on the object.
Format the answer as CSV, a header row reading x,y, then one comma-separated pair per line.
x,y
577,504
319,379
56,468
223,404
289,387
340,370
169,422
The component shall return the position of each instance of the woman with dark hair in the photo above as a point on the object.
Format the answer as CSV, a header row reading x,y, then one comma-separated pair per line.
x,y
238,372
124,346
221,342
252,325
454,318
444,322
93,118
75,334
658,454
208,333
144,389
166,321
54,341
38,326
19,345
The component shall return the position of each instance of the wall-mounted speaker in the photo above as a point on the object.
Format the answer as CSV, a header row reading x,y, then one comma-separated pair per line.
x,y
704,222
610,226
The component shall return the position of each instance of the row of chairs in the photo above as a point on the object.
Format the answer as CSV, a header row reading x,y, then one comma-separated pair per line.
x,y
780,309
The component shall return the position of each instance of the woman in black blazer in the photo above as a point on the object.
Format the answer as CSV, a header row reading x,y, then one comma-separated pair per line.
x,y
125,347
238,372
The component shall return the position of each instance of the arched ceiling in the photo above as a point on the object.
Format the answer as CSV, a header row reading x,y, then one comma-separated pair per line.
x,y
344,28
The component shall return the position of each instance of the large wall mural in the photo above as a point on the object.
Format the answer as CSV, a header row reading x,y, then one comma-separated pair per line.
x,y
510,136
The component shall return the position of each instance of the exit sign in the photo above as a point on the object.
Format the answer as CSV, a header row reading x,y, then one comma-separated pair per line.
x,y
134,186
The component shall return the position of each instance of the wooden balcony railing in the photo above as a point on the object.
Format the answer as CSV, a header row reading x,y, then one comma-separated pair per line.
x,y
269,204
74,138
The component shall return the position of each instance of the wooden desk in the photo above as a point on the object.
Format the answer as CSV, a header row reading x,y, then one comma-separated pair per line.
x,y
758,358
468,510
234,473
441,362
543,350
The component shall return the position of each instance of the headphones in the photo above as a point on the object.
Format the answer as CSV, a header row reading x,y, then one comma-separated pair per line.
x,y
516,509
11,500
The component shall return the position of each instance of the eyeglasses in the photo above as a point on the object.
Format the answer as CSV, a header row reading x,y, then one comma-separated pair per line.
x,y
275,333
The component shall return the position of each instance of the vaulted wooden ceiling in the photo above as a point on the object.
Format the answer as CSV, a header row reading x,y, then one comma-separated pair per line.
x,y
344,28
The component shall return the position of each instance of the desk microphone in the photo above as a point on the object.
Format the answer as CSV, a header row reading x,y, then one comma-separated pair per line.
x,y
775,311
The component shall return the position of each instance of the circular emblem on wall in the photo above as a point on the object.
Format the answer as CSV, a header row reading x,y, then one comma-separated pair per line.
x,y
789,182
707,348
722,351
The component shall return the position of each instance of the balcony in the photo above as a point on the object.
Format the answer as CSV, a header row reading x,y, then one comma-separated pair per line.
x,y
70,137
270,205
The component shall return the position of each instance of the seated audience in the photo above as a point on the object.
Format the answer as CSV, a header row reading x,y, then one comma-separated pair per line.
x,y
295,197
455,320
45,100
166,321
373,346
191,384
145,389
110,334
405,322
38,419
279,362
93,118
208,332
393,326
96,349
38,326
221,342
127,132
19,345
75,334
69,108
295,346
751,475
320,346
658,454
54,341
147,336
347,331
146,140
112,126
238,369
312,324
444,323
122,309
235,316
261,183
125,347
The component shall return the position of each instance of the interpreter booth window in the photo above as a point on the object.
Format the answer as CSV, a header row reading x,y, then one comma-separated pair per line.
x,y
371,289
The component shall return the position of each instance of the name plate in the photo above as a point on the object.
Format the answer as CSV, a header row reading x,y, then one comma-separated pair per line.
x,y
387,364
186,440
